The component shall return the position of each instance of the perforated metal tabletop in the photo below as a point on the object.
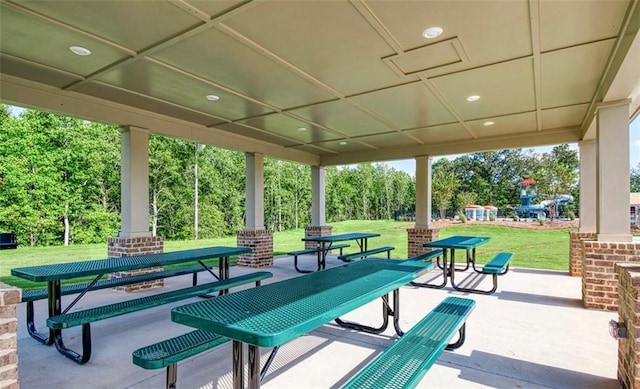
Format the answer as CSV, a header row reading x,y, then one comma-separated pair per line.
x,y
70,270
274,314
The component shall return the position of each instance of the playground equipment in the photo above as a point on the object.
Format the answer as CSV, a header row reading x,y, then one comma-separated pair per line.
x,y
479,212
539,211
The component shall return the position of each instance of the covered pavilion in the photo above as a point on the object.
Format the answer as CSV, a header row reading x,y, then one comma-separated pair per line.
x,y
331,83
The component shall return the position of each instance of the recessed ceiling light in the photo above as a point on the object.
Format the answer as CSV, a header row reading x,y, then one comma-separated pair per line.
x,y
432,32
473,98
79,50
489,123
213,97
302,129
342,143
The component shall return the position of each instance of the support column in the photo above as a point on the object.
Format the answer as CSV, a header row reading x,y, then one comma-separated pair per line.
x,y
318,204
423,231
587,207
10,297
613,186
255,236
134,237
614,242
318,225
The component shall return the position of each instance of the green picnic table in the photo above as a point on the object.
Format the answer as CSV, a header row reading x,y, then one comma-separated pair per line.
x,y
274,314
53,275
325,243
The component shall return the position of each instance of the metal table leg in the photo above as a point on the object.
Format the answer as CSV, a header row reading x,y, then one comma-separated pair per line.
x,y
238,365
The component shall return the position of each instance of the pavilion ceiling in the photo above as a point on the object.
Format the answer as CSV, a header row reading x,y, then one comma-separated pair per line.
x,y
328,82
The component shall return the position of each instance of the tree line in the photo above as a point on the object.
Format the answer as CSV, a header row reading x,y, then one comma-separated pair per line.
x,y
60,184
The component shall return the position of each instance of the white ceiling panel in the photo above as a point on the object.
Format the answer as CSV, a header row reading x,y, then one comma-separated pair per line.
x,y
228,62
344,54
157,81
419,107
570,23
571,76
504,88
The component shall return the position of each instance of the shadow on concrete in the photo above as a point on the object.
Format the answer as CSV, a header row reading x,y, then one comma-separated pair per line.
x,y
543,272
532,298
487,369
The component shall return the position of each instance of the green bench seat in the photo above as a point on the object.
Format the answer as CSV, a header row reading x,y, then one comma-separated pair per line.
x,y
30,296
169,352
428,256
427,259
85,317
368,253
497,266
407,360
312,250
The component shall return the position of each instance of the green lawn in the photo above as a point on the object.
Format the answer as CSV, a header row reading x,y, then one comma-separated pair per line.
x,y
543,249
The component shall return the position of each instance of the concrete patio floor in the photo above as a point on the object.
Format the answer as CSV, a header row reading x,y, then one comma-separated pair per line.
x,y
532,333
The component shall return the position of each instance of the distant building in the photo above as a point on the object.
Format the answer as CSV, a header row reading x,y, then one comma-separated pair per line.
x,y
635,208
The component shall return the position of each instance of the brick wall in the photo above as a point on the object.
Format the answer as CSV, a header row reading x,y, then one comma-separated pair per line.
x,y
599,277
629,314
261,244
575,251
416,237
126,247
315,231
9,298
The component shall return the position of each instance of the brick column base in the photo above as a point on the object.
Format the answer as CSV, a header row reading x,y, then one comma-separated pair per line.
x,y
629,314
315,231
599,278
261,244
575,251
126,247
417,236
9,298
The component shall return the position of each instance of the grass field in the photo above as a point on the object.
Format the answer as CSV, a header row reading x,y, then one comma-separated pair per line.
x,y
542,249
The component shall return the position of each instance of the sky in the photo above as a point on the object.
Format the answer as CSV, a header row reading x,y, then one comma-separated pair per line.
x,y
409,165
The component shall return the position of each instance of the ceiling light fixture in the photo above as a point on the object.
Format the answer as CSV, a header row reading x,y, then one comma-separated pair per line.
x,y
432,32
487,124
213,97
342,143
302,129
79,50
473,98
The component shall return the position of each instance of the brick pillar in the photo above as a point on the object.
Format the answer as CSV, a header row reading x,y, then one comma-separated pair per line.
x,y
599,278
9,298
126,247
629,314
261,244
315,231
575,251
417,236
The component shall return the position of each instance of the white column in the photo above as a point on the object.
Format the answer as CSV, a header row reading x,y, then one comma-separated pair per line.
x,y
318,201
255,191
588,205
134,182
613,172
423,192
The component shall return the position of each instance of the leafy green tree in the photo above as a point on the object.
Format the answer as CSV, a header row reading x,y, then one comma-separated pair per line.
x,y
557,174
464,199
443,189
